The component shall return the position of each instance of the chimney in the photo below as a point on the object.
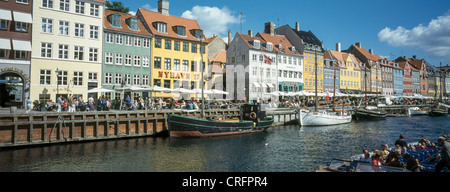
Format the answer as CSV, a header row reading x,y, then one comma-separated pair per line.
x,y
414,56
371,51
358,44
297,26
229,37
163,7
269,28
338,47
250,33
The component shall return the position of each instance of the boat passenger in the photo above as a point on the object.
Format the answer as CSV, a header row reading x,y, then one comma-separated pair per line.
x,y
444,154
384,151
366,157
401,141
376,159
412,164
393,160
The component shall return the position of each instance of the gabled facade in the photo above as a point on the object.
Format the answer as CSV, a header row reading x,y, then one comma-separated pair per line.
x,y
127,53
179,50
67,48
217,55
407,78
349,73
15,52
397,74
251,70
313,53
387,76
331,77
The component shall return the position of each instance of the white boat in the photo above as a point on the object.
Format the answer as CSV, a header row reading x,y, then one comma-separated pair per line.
x,y
417,111
323,118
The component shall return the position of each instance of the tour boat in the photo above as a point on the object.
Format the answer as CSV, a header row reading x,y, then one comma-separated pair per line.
x,y
323,118
417,111
252,120
369,113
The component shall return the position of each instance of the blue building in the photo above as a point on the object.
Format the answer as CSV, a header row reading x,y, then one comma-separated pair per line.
x,y
397,72
329,72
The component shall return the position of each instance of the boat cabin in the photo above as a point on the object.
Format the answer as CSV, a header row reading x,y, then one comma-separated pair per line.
x,y
258,109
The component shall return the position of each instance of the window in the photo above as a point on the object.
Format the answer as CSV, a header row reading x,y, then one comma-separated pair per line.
x,y
47,25
62,77
176,64
22,55
22,1
46,50
92,77
157,63
127,40
119,59
108,78
136,79
127,79
45,77
93,53
194,48
167,63
63,28
145,80
93,33
21,27
2,53
161,27
157,43
79,7
176,45
118,78
108,58
78,78
181,31
115,20
134,23
47,3
145,62
203,49
168,44
64,5
193,66
137,61
185,65
157,82
167,83
94,10
185,47
128,60
79,30
3,24
109,37
198,34
146,43
78,53
63,52
137,41
119,39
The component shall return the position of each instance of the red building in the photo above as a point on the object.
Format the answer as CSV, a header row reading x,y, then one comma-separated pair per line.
x,y
407,78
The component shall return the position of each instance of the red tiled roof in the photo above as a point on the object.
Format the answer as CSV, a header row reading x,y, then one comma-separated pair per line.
x,y
277,40
172,21
123,18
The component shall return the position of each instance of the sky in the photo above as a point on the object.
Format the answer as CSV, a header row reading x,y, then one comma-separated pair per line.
x,y
392,28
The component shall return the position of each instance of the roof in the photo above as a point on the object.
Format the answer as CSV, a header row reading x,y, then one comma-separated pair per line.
x,y
279,40
150,17
125,27
342,56
308,37
220,56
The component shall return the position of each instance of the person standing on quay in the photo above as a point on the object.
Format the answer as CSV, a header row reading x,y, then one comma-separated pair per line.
x,y
401,141
445,155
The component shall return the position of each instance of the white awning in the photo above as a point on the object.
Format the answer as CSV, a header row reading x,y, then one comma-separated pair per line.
x,y
256,84
5,15
5,44
22,17
21,45
270,85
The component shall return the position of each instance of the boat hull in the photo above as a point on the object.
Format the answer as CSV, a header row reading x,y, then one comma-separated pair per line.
x,y
308,118
181,126
438,112
367,114
415,111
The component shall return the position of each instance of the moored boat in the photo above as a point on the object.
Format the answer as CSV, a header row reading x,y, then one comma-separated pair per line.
x,y
323,118
417,111
369,113
436,111
252,120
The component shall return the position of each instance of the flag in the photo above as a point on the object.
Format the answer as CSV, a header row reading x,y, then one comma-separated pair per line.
x,y
267,60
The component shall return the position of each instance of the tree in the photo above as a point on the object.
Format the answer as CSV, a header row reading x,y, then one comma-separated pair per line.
x,y
116,6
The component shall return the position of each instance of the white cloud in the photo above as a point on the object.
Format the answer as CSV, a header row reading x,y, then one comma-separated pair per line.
x,y
433,38
149,7
212,19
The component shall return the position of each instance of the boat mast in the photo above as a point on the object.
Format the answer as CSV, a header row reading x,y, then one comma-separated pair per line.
x,y
334,83
365,86
315,59
202,78
376,78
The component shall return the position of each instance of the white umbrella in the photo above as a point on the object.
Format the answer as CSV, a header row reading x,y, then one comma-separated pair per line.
x,y
199,91
96,90
182,90
216,91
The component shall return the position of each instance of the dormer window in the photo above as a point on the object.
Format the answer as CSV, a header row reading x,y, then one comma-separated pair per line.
x,y
269,46
256,44
115,20
180,30
160,27
198,34
133,23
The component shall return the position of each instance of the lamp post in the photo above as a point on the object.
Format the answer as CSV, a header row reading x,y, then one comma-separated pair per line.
x,y
57,83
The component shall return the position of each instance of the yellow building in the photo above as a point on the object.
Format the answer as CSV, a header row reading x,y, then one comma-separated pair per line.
x,y
350,74
309,70
178,48
66,48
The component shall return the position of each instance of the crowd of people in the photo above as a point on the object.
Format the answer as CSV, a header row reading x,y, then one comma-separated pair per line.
x,y
392,157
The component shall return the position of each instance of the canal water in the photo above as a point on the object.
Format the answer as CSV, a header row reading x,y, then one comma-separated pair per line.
x,y
280,149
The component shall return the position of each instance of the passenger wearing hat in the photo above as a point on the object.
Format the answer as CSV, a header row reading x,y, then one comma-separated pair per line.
x,y
445,154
